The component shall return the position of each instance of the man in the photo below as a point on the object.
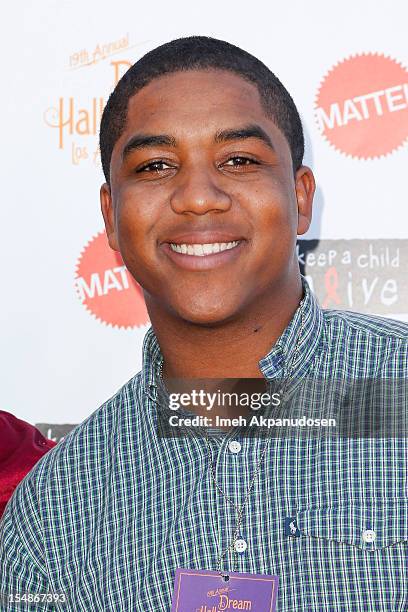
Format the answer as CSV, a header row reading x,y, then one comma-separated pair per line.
x,y
205,195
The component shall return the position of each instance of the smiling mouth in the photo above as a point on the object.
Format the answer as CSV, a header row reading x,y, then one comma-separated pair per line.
x,y
201,250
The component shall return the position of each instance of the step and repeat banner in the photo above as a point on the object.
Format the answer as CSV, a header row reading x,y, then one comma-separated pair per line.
x,y
72,318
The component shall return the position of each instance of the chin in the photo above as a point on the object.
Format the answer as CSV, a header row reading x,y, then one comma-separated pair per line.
x,y
206,317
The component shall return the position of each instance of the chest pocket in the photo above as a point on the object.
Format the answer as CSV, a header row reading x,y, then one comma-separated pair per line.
x,y
373,525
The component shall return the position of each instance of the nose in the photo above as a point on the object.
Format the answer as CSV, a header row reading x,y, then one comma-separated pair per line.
x,y
197,192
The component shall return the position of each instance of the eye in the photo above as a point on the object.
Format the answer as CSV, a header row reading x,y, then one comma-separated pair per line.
x,y
154,166
240,160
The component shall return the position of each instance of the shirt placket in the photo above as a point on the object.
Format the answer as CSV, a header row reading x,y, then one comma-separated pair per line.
x,y
234,466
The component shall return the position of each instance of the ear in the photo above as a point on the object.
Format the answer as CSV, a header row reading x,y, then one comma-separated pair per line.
x,y
305,187
108,216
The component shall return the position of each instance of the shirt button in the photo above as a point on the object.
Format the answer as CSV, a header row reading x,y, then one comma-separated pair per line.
x,y
368,536
234,446
240,545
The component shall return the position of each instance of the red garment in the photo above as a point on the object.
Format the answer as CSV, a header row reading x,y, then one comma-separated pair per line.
x,y
21,446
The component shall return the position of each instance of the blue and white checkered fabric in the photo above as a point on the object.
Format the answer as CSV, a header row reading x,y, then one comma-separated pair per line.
x,y
109,514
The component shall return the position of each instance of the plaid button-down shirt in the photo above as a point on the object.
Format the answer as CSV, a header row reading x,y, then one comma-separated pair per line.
x,y
109,514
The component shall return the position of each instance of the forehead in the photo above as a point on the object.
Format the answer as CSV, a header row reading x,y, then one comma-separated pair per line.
x,y
194,102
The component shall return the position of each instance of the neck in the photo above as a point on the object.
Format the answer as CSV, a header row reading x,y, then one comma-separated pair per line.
x,y
230,350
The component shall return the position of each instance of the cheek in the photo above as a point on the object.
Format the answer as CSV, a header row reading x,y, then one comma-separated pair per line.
x,y
136,218
275,210
275,229
136,244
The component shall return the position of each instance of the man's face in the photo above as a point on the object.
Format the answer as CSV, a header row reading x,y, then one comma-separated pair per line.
x,y
200,163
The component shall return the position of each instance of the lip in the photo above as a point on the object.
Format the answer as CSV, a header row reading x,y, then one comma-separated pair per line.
x,y
205,262
203,238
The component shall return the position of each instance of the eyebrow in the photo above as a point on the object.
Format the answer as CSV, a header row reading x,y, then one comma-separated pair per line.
x,y
143,141
248,131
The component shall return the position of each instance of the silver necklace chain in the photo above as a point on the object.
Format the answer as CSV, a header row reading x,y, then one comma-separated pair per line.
x,y
240,510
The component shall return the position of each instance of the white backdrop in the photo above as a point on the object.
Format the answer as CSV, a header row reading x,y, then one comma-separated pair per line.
x,y
60,61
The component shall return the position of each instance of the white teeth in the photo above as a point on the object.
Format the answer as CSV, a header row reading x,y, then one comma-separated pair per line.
x,y
200,250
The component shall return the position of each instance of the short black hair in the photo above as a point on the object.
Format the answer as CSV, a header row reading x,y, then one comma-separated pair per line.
x,y
200,53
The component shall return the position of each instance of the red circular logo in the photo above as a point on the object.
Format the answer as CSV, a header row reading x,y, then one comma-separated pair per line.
x,y
106,288
362,106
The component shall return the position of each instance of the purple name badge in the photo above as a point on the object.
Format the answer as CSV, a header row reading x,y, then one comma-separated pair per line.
x,y
206,591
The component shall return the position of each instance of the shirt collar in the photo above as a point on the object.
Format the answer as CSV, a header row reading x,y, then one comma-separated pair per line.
x,y
290,351
300,341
